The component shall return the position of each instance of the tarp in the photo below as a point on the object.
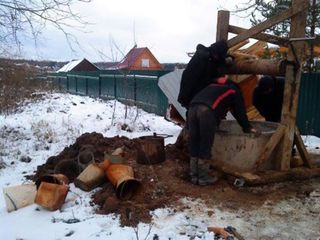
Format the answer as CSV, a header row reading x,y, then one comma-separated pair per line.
x,y
170,85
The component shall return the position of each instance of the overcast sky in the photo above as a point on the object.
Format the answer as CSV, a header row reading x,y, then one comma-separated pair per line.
x,y
169,28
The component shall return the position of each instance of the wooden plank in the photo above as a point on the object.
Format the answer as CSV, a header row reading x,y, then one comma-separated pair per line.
x,y
222,25
271,176
292,84
267,24
270,146
261,36
253,114
239,45
255,48
302,149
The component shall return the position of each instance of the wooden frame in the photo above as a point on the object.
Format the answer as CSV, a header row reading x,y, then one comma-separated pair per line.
x,y
261,36
287,133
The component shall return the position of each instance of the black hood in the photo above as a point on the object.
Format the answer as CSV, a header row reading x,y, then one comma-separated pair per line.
x,y
219,49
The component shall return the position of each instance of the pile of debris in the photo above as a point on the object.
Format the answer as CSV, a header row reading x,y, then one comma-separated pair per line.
x,y
127,170
161,184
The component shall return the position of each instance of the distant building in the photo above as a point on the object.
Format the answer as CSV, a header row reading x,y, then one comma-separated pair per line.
x,y
78,66
105,65
139,59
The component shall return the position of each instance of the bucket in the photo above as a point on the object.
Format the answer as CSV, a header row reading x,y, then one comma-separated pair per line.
x,y
19,196
91,177
151,150
85,157
104,165
53,178
122,178
239,150
52,191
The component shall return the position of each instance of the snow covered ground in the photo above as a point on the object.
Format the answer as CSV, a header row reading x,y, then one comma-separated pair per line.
x,y
43,128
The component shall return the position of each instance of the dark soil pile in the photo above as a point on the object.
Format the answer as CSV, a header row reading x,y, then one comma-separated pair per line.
x,y
163,184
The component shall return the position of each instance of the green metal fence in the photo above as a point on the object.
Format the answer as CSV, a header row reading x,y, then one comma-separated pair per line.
x,y
138,88
141,88
308,116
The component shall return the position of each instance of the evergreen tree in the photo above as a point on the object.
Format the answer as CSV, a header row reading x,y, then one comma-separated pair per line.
x,y
264,9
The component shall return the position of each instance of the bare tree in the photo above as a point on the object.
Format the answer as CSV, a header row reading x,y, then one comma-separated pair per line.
x,y
30,17
27,18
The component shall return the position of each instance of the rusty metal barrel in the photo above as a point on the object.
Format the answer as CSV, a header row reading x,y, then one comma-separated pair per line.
x,y
151,150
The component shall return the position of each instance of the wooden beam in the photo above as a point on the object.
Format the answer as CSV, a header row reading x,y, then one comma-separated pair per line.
x,y
255,48
302,149
222,25
270,146
250,65
292,83
267,24
261,36
239,45
271,176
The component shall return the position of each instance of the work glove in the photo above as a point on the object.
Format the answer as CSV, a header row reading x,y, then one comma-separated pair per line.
x,y
255,131
229,59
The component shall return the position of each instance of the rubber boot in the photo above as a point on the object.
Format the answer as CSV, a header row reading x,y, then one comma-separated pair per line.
x,y
203,173
194,170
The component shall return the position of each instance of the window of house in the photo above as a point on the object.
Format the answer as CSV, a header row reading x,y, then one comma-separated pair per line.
x,y
145,63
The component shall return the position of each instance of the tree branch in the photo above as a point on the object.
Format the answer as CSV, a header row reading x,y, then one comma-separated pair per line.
x,y
32,16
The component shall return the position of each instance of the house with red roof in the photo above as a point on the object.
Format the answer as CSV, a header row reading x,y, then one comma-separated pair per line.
x,y
139,59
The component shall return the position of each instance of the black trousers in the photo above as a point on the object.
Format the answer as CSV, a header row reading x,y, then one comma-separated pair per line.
x,y
202,125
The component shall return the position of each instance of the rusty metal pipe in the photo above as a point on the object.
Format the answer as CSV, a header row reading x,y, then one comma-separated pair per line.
x,y
122,178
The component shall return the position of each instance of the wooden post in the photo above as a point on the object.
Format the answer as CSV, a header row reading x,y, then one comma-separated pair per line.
x,y
222,25
292,84
302,149
270,146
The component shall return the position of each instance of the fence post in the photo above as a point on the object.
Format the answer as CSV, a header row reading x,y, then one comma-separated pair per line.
x,y
158,109
115,86
59,82
99,85
67,83
87,91
135,89
76,84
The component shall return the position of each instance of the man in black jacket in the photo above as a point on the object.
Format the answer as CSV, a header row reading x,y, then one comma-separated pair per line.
x,y
268,97
201,70
206,110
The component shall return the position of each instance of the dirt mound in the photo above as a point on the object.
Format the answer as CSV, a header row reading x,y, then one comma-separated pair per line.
x,y
94,142
163,184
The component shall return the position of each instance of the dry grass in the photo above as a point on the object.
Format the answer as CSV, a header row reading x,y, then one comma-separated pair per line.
x,y
17,84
